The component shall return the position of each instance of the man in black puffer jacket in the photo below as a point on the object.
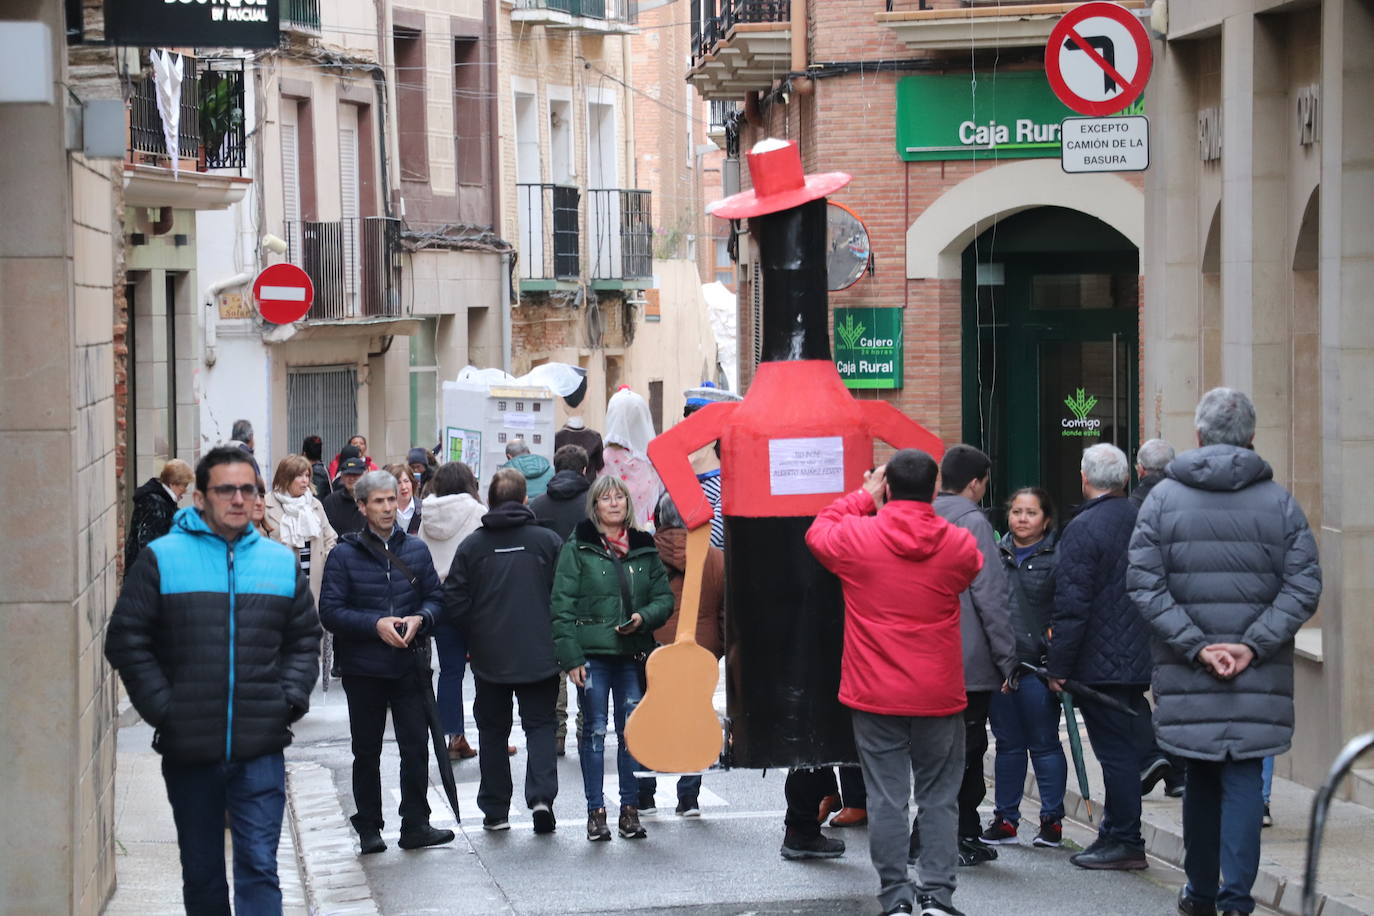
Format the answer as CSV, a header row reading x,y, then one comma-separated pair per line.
x,y
564,503
1100,640
380,593
216,638
498,595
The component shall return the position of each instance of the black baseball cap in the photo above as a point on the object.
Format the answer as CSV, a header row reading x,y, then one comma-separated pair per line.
x,y
353,466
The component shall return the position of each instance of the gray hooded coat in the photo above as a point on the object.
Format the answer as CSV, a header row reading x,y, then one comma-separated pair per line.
x,y
984,609
1221,554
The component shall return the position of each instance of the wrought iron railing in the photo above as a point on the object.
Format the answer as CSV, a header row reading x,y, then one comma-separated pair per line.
x,y
351,263
210,126
721,112
620,235
608,10
301,15
712,28
549,231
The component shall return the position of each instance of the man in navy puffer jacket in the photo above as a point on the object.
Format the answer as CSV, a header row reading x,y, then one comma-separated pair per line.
x,y
380,593
216,638
1098,638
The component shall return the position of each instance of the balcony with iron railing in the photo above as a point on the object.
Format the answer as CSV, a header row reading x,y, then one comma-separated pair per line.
x,y
549,236
210,128
301,16
925,25
351,263
721,111
620,238
584,15
740,46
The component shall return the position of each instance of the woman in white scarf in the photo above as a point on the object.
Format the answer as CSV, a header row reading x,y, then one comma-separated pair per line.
x,y
298,520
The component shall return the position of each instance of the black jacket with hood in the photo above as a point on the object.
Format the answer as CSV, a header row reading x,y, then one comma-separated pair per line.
x,y
563,504
151,519
497,594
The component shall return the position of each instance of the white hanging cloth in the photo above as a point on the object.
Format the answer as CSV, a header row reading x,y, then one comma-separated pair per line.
x,y
167,73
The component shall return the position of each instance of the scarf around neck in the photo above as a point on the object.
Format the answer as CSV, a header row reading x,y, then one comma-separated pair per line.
x,y
299,524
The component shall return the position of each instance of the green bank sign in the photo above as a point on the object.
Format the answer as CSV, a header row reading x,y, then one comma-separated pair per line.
x,y
868,347
1008,116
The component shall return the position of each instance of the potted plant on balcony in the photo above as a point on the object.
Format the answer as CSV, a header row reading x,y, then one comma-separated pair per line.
x,y
221,113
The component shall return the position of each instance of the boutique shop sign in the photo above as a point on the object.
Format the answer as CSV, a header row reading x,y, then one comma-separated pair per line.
x,y
193,23
1015,115
868,347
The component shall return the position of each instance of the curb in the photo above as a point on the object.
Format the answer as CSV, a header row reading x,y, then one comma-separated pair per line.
x,y
1275,886
334,881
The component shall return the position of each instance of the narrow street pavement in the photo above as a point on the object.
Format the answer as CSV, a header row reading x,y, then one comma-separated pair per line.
x,y
726,862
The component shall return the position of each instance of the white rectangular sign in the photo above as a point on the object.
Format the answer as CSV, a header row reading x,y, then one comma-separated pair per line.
x,y
801,466
1120,144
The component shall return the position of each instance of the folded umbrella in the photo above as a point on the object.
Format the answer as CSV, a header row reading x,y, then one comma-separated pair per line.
x,y
1083,691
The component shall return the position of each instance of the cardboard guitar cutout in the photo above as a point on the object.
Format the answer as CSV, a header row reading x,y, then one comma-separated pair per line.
x,y
675,728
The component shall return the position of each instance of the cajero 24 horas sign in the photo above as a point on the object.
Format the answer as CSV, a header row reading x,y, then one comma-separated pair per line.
x,y
1011,115
868,347
193,23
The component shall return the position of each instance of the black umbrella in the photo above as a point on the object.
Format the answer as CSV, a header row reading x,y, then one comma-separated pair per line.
x,y
436,730
1083,691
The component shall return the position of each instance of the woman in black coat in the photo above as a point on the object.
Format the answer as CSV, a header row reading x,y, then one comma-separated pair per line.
x,y
154,505
1025,722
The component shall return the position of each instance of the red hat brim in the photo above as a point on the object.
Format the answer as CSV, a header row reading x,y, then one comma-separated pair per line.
x,y
746,203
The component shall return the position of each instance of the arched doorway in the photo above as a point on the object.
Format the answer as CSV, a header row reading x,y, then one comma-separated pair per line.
x,y
1050,342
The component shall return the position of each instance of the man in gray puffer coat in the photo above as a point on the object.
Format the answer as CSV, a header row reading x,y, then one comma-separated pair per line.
x,y
1224,569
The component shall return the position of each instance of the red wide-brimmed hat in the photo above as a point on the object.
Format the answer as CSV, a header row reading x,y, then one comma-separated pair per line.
x,y
779,184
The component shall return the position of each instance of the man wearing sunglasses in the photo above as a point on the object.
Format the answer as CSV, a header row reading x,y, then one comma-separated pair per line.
x,y
216,637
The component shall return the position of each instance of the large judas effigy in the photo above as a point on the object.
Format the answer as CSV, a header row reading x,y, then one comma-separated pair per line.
x,y
796,441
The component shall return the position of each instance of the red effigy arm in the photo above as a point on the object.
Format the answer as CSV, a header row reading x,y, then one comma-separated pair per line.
x,y
898,430
671,454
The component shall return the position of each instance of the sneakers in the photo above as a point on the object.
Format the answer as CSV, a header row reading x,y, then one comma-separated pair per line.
x,y
494,824
459,749
371,843
688,807
1111,857
796,847
647,805
932,907
972,852
420,837
897,908
596,825
543,818
1051,833
630,827
1268,819
850,817
1000,832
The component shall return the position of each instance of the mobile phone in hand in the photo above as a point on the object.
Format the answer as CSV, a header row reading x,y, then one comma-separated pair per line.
x,y
624,625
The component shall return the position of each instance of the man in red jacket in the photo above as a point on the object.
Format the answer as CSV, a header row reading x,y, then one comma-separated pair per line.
x,y
902,671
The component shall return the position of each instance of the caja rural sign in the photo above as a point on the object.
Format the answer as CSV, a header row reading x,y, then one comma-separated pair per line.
x,y
1098,58
868,347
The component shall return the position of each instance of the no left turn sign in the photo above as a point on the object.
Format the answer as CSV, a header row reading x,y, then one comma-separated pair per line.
x,y
1098,58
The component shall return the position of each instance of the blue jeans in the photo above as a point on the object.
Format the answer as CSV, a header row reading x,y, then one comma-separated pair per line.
x,y
253,792
1223,806
1025,723
453,662
1268,774
607,675
1116,738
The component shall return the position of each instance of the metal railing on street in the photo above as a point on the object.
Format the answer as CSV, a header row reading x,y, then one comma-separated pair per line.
x,y
351,262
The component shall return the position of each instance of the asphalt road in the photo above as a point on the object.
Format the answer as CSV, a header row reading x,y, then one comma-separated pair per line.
x,y
724,864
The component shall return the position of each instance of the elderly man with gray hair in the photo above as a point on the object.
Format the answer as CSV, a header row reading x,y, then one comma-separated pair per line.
x,y
380,594
1224,569
1100,640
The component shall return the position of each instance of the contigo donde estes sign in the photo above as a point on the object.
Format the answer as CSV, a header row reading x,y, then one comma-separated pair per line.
x,y
193,23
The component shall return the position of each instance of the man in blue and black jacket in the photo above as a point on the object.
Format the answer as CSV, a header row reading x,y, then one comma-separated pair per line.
x,y
216,637
380,593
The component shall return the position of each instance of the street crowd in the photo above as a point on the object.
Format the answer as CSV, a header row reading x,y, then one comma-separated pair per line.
x,y
1163,615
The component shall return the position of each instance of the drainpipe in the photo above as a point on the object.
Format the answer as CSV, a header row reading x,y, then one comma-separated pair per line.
x,y
212,316
506,268
802,85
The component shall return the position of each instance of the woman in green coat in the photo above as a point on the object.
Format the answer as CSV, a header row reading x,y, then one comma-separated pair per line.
x,y
609,595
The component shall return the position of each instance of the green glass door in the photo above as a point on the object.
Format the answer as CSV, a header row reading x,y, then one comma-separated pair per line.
x,y
1051,300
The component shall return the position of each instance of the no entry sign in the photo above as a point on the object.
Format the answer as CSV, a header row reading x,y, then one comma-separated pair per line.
x,y
283,293
1098,58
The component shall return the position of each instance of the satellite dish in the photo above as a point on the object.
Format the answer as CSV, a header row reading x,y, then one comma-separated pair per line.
x,y
848,251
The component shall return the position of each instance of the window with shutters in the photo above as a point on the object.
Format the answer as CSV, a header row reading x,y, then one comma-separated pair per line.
x,y
349,208
291,175
322,401
409,48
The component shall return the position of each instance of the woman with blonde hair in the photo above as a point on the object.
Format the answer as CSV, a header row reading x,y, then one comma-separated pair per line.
x,y
610,592
297,518
154,505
